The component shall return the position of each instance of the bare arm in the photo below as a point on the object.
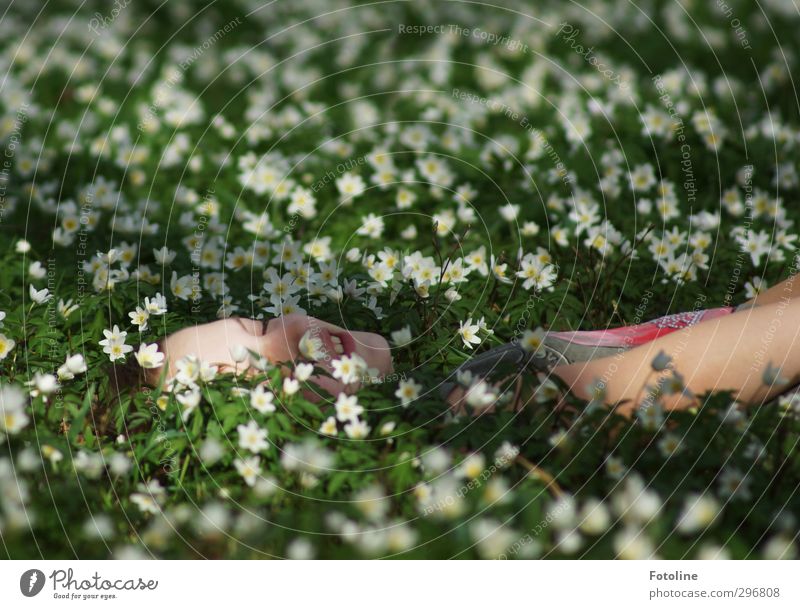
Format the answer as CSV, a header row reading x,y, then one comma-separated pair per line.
x,y
788,288
728,353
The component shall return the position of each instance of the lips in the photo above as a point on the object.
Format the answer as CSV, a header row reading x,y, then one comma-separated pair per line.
x,y
336,345
347,341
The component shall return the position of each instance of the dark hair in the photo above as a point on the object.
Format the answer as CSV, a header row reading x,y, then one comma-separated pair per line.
x,y
129,377
125,379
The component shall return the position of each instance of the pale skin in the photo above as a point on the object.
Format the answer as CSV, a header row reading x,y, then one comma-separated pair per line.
x,y
726,353
276,340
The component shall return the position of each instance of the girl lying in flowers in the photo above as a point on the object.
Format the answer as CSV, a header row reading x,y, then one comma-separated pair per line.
x,y
226,344
666,361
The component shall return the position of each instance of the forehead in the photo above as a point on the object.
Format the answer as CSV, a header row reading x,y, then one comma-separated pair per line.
x,y
213,331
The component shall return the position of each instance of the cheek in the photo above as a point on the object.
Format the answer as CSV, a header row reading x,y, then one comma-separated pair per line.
x,y
375,350
281,343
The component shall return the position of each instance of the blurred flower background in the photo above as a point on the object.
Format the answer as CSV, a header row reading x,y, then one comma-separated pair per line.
x,y
450,175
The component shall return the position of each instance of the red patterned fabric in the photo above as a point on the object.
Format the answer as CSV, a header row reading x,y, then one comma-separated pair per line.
x,y
639,334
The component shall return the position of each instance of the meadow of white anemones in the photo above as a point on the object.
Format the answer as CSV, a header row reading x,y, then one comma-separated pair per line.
x,y
582,167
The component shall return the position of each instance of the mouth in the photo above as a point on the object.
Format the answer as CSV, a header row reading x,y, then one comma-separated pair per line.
x,y
348,342
337,344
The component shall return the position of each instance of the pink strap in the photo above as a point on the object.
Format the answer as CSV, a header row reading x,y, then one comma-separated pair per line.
x,y
641,333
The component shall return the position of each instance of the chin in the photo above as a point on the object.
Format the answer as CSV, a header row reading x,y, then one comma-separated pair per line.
x,y
375,350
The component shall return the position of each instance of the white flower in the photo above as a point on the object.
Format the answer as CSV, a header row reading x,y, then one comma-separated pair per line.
x,y
595,517
300,549
480,395
357,429
22,246
436,460
699,511
492,538
371,226
536,273
119,464
615,468
189,400
309,456
469,333
472,466
754,288
164,256
12,415
156,306
348,369
146,503
350,185
532,340
733,483
452,295
302,372
149,496
45,383
98,526
780,547
36,270
402,336
328,428
40,296
755,244
187,370
407,391
149,356
114,343
52,454
669,445
262,400
311,346
259,362
6,346
211,451
347,407
117,350
75,364
633,543
252,437
112,336
290,386
208,372
372,502
239,353
183,288
139,318
509,212
505,454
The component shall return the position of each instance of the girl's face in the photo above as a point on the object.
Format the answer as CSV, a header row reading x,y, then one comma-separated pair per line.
x,y
278,341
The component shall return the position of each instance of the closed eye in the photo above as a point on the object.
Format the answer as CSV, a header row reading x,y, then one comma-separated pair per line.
x,y
267,322
252,326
